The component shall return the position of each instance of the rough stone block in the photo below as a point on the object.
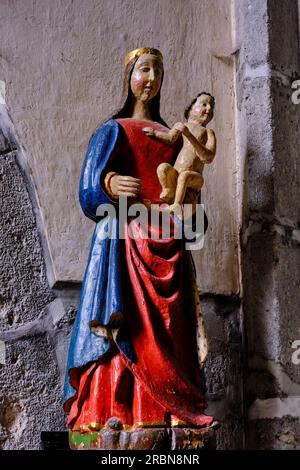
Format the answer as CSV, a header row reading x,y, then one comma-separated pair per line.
x,y
272,297
261,311
222,373
192,439
286,137
231,434
288,287
30,395
251,41
24,290
255,103
222,367
274,434
260,384
284,37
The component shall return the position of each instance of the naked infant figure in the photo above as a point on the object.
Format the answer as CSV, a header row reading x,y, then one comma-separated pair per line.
x,y
199,147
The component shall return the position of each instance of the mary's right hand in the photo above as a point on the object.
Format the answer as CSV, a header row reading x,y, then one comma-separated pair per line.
x,y
125,186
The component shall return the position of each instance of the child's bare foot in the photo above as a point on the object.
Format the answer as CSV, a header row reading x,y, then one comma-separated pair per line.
x,y
167,195
176,209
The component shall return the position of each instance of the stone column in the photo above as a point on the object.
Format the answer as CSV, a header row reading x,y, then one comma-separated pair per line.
x,y
267,63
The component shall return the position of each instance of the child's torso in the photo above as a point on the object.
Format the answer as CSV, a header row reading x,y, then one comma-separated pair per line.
x,y
187,158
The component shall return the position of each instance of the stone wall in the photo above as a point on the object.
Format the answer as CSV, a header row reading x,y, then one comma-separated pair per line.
x,y
34,327
267,62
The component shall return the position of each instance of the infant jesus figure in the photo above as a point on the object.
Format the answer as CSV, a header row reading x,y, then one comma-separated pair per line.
x,y
199,147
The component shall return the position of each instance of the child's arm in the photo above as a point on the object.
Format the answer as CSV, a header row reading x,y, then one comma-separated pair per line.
x,y
207,152
170,137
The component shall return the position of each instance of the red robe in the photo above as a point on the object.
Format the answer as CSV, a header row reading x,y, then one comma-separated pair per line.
x,y
163,384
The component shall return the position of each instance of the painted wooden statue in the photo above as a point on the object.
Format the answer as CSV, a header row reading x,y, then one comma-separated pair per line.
x,y
134,353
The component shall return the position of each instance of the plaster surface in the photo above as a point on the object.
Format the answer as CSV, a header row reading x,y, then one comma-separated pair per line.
x,y
61,65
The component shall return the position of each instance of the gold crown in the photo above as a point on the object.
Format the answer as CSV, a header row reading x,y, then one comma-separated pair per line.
x,y
142,50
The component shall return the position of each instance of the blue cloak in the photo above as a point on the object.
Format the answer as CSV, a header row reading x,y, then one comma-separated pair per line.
x,y
101,295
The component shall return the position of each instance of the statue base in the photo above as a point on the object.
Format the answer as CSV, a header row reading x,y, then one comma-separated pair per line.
x,y
160,439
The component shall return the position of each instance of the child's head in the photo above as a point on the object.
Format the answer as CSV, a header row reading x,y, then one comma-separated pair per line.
x,y
201,107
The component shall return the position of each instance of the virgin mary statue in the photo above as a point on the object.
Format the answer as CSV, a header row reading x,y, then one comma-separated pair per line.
x,y
138,341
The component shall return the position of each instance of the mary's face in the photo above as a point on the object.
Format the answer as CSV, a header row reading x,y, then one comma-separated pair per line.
x,y
146,77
